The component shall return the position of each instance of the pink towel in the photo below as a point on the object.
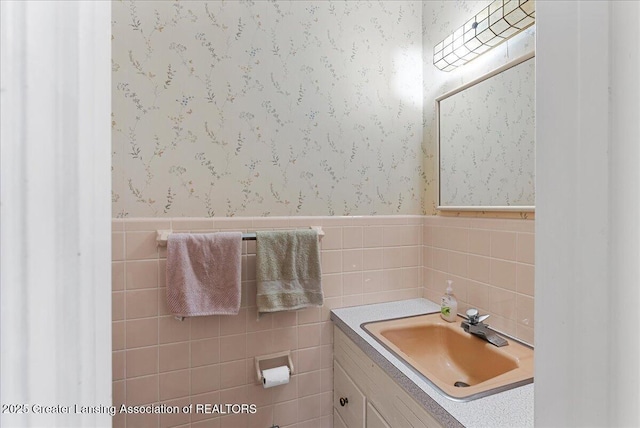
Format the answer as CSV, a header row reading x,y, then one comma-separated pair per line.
x,y
203,273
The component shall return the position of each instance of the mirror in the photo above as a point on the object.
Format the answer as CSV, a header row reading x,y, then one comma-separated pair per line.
x,y
486,141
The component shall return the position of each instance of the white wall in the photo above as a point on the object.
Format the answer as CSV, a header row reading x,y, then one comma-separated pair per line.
x,y
55,208
624,201
587,353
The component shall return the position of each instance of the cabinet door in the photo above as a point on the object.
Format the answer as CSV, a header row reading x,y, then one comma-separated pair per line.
x,y
374,420
348,400
337,420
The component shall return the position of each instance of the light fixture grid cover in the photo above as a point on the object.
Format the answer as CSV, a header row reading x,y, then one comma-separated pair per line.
x,y
497,19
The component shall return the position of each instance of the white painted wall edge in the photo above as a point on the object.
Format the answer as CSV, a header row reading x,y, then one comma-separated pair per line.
x,y
624,219
587,206
55,298
571,253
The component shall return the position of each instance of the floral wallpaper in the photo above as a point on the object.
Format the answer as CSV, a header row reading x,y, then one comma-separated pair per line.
x,y
263,108
487,141
439,18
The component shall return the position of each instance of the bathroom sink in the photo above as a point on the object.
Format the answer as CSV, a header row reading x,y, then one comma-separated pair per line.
x,y
462,366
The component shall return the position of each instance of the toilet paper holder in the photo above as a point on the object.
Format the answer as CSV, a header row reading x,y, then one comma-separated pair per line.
x,y
270,361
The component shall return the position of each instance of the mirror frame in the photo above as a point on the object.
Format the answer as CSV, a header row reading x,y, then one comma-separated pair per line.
x,y
508,208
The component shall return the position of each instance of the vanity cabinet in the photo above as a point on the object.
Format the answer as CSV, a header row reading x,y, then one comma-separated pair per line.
x,y
364,396
374,419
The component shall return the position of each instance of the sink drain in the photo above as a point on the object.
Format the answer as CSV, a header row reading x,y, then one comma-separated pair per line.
x,y
461,384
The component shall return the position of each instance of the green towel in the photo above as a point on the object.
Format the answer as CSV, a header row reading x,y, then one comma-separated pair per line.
x,y
288,270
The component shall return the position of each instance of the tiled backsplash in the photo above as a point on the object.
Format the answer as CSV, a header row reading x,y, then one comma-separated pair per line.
x,y
491,263
157,359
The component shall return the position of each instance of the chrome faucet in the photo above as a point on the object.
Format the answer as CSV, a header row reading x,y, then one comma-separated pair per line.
x,y
474,325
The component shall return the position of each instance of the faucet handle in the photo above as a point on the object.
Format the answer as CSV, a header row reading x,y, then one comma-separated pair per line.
x,y
474,316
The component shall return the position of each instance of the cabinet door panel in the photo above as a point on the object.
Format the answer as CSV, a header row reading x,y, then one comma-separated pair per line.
x,y
405,416
348,400
374,420
337,420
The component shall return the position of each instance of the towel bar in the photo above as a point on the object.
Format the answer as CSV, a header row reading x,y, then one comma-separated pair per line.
x,y
162,235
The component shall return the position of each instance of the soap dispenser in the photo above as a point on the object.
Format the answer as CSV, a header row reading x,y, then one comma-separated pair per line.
x,y
449,304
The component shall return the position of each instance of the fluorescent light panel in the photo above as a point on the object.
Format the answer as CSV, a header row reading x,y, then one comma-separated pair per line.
x,y
496,23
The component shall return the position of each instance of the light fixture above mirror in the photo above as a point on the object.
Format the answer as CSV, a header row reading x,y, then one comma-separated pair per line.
x,y
494,24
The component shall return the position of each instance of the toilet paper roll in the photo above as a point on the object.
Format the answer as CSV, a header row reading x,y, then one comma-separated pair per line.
x,y
276,376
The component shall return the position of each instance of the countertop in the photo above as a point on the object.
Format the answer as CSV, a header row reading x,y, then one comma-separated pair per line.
x,y
513,408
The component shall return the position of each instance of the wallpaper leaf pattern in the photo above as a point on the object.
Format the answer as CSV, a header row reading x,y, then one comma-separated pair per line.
x,y
263,108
